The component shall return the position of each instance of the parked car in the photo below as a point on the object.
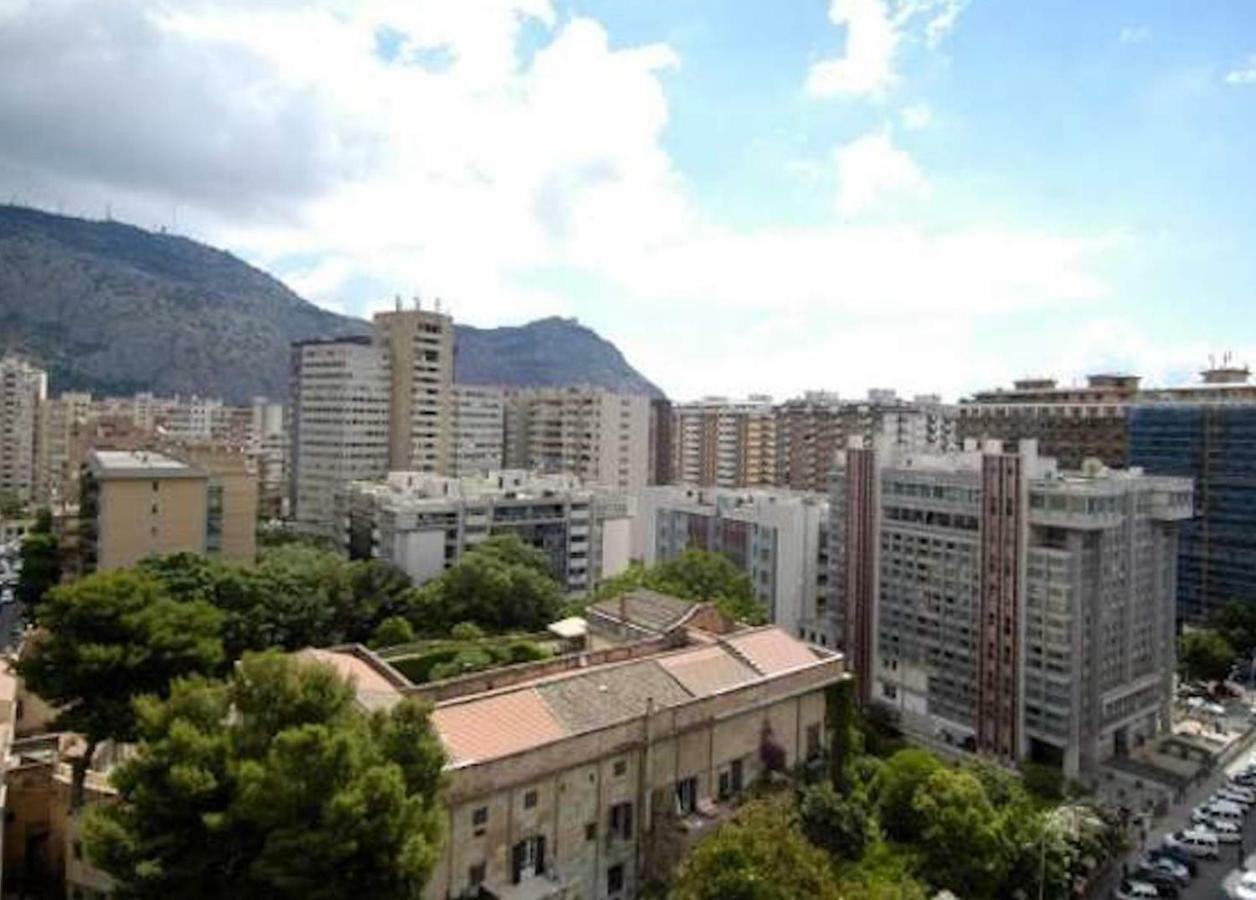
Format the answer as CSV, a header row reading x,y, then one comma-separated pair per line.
x,y
1200,815
1246,793
1244,888
1227,832
1182,861
1136,890
1231,797
1165,884
1223,809
1195,842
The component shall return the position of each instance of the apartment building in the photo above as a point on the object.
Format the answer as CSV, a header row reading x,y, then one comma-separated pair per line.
x,y
269,446
662,422
1207,432
778,538
23,387
582,776
600,436
717,442
339,423
479,429
1006,606
1070,424
423,523
56,470
418,346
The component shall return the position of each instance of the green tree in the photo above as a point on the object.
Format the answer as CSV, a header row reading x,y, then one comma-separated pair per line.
x,y
841,825
106,639
378,591
498,586
962,844
392,631
41,563
694,575
760,854
11,506
1236,622
272,784
895,789
1205,655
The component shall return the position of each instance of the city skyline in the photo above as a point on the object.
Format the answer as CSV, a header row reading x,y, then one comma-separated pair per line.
x,y
932,195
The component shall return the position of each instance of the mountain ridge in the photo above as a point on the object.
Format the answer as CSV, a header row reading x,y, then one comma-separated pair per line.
x,y
114,308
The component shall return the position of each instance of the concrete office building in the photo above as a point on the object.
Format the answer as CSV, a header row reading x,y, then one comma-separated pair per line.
x,y
423,523
269,447
419,349
339,423
1070,424
139,503
1002,605
23,387
599,436
586,776
779,538
479,429
718,442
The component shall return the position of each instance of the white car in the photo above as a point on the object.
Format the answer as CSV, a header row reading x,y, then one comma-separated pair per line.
x,y
1195,842
1245,792
1169,866
1242,888
1136,890
1230,796
1226,832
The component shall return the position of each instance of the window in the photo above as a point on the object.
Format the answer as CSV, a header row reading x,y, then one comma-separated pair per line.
x,y
620,767
732,779
621,821
527,858
479,819
529,800
78,849
686,796
615,879
590,831
813,741
476,875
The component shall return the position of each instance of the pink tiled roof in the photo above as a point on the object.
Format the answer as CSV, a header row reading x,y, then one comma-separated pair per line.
x,y
706,670
372,687
496,725
771,650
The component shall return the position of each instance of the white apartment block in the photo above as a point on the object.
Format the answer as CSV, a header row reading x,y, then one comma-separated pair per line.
x,y
1002,605
269,447
423,523
600,436
778,537
339,423
23,387
479,429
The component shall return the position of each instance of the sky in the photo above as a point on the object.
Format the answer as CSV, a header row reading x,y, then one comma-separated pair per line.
x,y
746,197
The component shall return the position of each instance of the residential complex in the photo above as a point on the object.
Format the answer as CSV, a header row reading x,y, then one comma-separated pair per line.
x,y
479,429
139,503
1001,604
600,436
582,776
23,386
779,538
722,443
56,468
423,523
418,348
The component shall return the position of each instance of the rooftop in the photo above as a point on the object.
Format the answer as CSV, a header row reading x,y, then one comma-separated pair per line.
x,y
140,464
645,609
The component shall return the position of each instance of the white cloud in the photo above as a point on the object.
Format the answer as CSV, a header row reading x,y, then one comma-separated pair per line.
x,y
875,31
870,169
1135,34
916,117
1244,74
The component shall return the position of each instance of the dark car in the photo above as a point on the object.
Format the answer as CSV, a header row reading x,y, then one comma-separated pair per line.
x,y
1191,865
1163,882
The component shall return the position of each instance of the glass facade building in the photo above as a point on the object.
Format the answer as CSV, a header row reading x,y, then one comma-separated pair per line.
x,y
1214,444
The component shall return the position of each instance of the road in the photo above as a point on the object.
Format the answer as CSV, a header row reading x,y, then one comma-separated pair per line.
x,y
1207,884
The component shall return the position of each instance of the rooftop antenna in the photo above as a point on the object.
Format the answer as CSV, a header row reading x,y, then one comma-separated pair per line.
x,y
397,301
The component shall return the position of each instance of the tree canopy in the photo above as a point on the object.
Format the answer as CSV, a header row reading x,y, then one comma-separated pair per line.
x,y
1205,655
108,638
41,563
1236,622
694,575
895,789
272,784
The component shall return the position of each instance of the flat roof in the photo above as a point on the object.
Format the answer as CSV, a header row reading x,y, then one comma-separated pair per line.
x,y
140,464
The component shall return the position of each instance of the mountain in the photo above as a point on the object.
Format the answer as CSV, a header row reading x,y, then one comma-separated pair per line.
x,y
115,309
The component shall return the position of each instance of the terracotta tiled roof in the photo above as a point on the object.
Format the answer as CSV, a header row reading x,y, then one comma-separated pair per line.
x,y
496,725
645,609
708,670
771,650
612,694
374,690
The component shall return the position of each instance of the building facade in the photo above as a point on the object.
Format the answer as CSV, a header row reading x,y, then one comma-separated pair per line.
x,y
1002,605
60,418
418,347
778,538
23,387
424,523
600,436
724,443
479,429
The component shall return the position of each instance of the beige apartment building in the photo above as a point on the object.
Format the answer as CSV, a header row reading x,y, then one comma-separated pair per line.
x,y
56,470
138,503
580,777
419,349
725,443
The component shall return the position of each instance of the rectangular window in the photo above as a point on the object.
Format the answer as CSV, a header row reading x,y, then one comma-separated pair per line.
x,y
686,796
529,800
476,874
479,818
621,821
813,741
620,767
590,831
615,879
